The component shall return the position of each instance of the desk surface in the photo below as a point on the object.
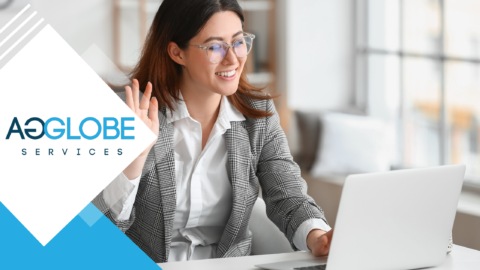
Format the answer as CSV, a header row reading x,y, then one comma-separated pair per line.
x,y
461,258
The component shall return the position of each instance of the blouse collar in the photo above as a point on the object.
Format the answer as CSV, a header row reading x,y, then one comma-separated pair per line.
x,y
227,113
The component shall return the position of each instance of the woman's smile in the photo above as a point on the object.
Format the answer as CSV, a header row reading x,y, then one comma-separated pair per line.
x,y
227,75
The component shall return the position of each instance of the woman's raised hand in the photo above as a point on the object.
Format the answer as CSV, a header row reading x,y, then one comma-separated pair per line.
x,y
147,110
141,108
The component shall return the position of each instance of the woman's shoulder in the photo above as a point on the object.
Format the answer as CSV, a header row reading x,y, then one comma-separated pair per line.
x,y
259,125
261,103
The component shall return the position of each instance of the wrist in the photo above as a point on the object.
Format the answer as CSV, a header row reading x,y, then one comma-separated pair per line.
x,y
134,169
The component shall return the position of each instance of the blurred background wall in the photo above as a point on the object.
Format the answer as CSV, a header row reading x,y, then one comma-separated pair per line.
x,y
366,85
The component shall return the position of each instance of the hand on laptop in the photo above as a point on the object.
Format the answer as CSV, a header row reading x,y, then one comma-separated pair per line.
x,y
319,241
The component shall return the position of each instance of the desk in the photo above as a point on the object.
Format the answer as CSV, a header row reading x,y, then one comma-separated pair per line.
x,y
461,258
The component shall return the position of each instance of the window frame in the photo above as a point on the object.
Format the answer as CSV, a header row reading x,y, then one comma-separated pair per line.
x,y
361,75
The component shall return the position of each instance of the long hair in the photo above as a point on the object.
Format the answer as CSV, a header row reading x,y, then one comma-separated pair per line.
x,y
179,21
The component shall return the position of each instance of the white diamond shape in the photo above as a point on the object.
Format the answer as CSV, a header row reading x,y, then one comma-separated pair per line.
x,y
47,78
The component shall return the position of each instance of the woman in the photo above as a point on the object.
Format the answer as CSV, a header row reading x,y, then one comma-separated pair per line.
x,y
190,194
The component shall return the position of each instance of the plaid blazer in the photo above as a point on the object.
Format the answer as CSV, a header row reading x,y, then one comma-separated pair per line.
x,y
258,154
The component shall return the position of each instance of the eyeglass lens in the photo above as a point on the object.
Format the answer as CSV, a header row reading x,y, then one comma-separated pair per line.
x,y
242,46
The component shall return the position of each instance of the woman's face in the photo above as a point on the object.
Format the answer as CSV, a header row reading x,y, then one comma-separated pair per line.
x,y
226,27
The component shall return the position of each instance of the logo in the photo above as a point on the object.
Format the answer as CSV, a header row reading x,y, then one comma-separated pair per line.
x,y
58,131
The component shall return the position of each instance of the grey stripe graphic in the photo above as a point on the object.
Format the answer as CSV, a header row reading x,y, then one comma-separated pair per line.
x,y
22,38
18,28
14,18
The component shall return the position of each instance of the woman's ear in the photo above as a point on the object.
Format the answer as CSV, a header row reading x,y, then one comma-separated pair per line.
x,y
176,53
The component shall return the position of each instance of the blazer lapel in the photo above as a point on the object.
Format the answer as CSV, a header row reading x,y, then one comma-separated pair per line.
x,y
238,148
165,169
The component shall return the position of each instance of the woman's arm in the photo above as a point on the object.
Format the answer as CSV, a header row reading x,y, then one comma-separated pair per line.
x,y
283,189
117,199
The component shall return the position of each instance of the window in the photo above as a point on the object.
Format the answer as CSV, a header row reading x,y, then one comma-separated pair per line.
x,y
418,66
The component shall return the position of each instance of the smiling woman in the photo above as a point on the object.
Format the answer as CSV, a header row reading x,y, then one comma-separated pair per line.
x,y
190,194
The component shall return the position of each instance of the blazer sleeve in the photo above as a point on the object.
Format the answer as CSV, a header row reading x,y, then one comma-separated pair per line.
x,y
100,203
283,188
123,225
103,206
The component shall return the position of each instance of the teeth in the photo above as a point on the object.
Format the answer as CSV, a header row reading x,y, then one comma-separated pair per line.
x,y
226,74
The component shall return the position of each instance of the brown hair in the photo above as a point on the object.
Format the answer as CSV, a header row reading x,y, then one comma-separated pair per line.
x,y
179,21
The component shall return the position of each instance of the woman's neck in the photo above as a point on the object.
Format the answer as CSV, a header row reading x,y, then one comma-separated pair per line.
x,y
203,105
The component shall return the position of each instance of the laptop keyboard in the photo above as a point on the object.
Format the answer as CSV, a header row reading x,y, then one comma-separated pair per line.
x,y
314,267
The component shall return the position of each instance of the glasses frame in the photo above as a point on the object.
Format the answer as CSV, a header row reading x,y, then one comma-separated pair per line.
x,y
227,46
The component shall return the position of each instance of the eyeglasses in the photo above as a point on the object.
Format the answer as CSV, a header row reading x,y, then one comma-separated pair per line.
x,y
216,52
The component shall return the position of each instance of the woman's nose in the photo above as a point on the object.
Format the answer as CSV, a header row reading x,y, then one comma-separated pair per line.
x,y
231,57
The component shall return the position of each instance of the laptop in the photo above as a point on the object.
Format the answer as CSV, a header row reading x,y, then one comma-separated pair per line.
x,y
391,220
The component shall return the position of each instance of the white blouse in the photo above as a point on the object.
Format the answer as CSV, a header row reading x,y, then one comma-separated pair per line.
x,y
204,192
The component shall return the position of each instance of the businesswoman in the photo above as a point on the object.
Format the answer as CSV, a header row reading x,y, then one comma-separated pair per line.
x,y
190,194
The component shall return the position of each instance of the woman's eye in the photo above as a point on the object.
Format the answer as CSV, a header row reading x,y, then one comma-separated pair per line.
x,y
214,47
239,42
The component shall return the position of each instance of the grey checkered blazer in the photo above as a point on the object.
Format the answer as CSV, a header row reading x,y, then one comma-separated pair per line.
x,y
257,154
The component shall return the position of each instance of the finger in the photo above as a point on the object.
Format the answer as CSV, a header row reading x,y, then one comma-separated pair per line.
x,y
326,246
326,250
144,103
146,97
320,251
135,94
322,246
128,92
153,110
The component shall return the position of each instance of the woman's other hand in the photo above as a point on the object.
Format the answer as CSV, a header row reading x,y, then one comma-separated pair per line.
x,y
147,111
319,241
